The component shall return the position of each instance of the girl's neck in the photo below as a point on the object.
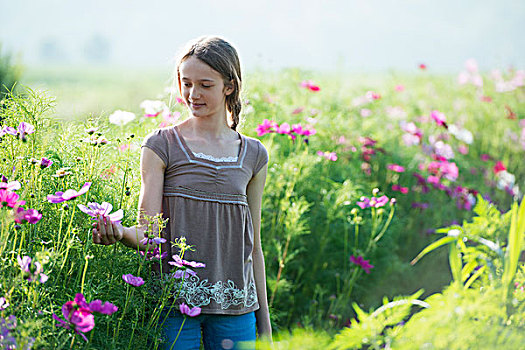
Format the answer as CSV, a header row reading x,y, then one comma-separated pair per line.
x,y
209,127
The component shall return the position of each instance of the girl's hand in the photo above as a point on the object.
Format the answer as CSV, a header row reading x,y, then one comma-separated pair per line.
x,y
105,232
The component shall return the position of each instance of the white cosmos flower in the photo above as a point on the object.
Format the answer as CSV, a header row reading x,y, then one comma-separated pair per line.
x,y
121,117
505,180
461,134
153,108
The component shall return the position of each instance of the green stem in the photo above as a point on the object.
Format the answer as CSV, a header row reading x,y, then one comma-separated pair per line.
x,y
177,337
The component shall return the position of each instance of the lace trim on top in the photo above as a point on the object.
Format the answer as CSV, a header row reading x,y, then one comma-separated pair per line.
x,y
197,292
213,159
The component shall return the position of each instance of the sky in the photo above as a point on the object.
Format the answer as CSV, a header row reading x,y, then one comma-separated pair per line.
x,y
328,35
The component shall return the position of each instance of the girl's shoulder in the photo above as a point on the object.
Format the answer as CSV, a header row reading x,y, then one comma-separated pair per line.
x,y
258,150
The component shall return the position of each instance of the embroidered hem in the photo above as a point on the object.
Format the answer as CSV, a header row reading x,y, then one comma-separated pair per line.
x,y
199,293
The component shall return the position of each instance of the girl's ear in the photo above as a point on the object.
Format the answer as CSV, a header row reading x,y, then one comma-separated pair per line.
x,y
229,88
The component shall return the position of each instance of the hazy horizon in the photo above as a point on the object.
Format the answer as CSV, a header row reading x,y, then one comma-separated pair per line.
x,y
327,36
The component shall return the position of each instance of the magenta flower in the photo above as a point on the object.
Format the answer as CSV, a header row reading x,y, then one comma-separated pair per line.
x,y
9,199
372,202
25,128
284,128
32,270
184,273
179,262
31,216
151,239
95,210
154,254
498,167
328,155
185,310
420,205
60,197
360,261
298,110
485,157
439,118
45,163
308,84
399,188
370,95
303,131
78,314
7,130
395,167
132,280
107,308
267,126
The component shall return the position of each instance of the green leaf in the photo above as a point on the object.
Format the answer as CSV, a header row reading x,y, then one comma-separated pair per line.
x,y
455,263
432,246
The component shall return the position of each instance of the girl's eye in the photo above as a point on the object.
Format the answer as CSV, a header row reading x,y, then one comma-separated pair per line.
x,y
206,86
187,84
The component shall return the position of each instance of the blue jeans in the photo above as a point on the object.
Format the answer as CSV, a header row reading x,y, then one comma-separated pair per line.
x,y
217,331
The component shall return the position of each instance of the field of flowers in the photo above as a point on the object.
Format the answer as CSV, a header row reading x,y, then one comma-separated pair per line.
x,y
377,187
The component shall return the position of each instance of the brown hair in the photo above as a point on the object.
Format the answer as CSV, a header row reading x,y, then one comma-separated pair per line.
x,y
221,57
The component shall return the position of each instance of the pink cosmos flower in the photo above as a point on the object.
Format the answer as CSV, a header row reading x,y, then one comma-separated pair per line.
x,y
399,188
33,270
267,126
365,112
420,205
78,314
284,128
31,216
439,118
9,199
45,163
463,149
487,99
422,66
433,180
308,84
395,167
154,254
485,157
298,110
185,310
360,261
372,202
370,95
307,130
328,155
95,210
60,197
179,262
132,280
11,186
184,274
499,167
399,88
7,130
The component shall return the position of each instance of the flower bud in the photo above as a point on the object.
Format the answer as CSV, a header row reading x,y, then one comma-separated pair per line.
x,y
375,191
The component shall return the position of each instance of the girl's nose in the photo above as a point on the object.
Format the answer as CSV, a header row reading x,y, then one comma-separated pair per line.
x,y
194,93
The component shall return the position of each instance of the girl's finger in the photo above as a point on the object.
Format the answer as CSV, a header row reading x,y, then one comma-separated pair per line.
x,y
96,237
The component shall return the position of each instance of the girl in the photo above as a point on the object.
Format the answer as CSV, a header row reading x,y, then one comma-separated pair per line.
x,y
208,180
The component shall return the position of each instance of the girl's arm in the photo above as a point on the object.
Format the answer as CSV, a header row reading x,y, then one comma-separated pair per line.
x,y
254,193
150,204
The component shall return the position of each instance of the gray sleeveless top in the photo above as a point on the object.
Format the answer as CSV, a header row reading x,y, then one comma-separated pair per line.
x,y
205,201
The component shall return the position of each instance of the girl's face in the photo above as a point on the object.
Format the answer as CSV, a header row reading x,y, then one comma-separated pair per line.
x,y
203,88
